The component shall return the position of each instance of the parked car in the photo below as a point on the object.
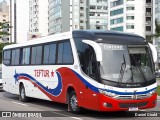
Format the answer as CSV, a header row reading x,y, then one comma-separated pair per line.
x,y
0,80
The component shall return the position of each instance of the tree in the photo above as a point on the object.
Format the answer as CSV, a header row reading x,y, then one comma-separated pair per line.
x,y
3,32
3,26
149,38
1,49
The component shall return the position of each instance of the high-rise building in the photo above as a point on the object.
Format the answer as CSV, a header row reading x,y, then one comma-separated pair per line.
x,y
38,17
133,16
4,17
19,17
157,40
77,14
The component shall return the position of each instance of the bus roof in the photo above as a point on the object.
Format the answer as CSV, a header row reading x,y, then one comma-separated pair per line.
x,y
108,36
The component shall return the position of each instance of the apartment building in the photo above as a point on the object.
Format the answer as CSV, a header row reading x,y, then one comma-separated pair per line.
x,y
4,17
133,16
38,17
157,40
19,17
77,14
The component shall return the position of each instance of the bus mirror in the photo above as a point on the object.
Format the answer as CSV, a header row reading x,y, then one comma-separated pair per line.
x,y
154,52
96,48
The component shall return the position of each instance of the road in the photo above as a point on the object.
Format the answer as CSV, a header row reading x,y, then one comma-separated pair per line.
x,y
9,102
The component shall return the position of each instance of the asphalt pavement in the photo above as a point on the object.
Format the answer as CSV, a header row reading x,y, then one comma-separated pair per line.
x,y
11,103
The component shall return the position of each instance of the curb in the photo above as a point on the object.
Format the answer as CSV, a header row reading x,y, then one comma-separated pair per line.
x,y
158,97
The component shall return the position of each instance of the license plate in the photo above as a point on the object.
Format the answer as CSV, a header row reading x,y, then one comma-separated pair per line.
x,y
133,109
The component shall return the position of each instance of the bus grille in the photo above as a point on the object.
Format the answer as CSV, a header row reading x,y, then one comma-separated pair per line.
x,y
131,97
127,105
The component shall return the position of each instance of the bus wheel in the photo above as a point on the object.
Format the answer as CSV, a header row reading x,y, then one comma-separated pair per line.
x,y
22,94
73,103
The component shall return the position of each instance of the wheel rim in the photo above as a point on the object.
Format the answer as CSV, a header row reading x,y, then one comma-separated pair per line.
x,y
22,93
73,102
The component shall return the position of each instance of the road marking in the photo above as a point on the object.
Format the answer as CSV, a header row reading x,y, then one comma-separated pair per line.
x,y
77,118
20,103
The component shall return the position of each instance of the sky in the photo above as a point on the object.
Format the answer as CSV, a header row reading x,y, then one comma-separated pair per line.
x,y
6,0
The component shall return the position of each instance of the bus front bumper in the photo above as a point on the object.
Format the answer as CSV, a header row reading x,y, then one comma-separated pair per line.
x,y
109,104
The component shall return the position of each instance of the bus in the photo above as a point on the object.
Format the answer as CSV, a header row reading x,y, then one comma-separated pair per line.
x,y
96,70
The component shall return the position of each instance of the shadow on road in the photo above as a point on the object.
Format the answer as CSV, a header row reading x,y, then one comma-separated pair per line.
x,y
62,109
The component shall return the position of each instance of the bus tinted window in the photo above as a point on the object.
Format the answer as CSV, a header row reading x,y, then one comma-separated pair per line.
x,y
15,56
26,56
7,57
36,56
65,53
49,54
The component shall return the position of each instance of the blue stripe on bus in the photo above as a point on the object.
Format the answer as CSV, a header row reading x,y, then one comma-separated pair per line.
x,y
95,89
55,92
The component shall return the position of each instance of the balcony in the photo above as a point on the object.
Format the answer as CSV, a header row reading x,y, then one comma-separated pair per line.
x,y
148,14
148,4
148,22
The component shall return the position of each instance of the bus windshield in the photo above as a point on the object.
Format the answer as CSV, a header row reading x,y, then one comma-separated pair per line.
x,y
124,64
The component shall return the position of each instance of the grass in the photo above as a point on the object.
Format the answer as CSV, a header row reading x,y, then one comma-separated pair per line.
x,y
158,90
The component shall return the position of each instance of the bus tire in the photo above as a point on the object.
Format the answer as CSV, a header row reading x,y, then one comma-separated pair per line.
x,y
22,94
73,103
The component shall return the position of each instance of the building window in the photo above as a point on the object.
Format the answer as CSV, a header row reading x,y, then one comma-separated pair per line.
x,y
105,7
130,17
99,7
116,12
148,28
116,3
130,26
130,8
118,28
116,21
92,7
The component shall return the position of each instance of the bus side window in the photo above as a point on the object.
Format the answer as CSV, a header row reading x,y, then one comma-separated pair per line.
x,y
90,63
7,57
25,58
65,55
15,57
87,58
36,55
49,52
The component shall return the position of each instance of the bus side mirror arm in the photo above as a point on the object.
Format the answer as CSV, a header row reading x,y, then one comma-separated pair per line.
x,y
154,52
96,48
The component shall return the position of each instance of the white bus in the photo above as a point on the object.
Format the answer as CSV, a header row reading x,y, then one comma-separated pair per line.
x,y
97,70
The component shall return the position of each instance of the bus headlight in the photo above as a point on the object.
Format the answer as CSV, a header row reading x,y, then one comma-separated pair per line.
x,y
110,94
152,92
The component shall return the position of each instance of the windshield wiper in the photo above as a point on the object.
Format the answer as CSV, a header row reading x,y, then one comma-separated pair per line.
x,y
123,67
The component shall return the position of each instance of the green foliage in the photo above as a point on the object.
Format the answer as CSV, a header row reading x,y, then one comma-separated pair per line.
x,y
1,49
158,90
149,38
4,25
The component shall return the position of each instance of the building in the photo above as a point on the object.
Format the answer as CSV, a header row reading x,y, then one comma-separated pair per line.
x,y
77,14
19,17
157,40
133,16
4,17
38,17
